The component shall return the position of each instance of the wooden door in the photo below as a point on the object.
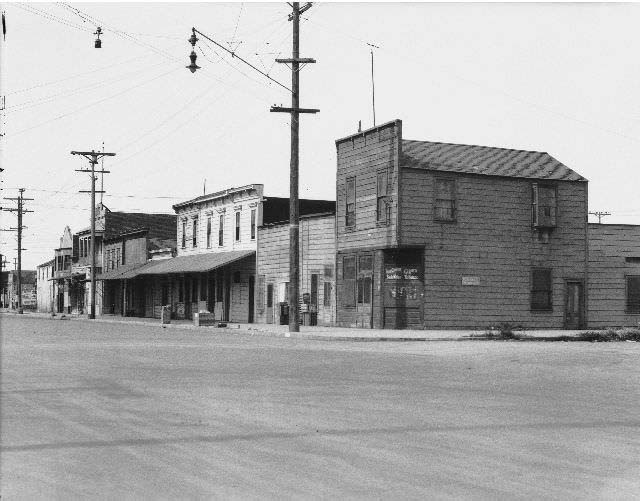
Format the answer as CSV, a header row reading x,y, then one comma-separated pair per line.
x,y
252,281
574,305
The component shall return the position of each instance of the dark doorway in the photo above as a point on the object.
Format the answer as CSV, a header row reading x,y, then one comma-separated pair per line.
x,y
252,284
574,305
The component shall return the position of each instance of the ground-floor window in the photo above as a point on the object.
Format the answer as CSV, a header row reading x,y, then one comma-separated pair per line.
x,y
633,294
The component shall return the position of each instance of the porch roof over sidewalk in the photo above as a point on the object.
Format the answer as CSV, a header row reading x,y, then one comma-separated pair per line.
x,y
198,263
125,271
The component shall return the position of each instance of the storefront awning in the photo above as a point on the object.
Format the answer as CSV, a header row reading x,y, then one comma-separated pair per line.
x,y
198,263
125,271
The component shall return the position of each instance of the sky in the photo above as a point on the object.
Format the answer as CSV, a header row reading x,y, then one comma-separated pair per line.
x,y
560,78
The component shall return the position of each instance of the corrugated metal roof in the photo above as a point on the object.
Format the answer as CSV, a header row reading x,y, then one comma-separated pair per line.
x,y
197,263
125,271
485,160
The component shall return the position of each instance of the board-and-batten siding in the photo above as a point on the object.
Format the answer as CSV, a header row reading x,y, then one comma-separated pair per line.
x,y
609,246
362,157
492,240
317,251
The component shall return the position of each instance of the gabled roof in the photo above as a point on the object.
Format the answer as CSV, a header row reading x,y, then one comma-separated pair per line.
x,y
485,160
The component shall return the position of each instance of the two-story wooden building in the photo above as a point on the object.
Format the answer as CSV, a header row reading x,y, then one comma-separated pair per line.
x,y
131,242
436,235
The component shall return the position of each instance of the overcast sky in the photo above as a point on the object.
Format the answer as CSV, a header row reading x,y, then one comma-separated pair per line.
x,y
560,78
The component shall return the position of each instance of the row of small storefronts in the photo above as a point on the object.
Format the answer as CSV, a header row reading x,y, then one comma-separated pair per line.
x,y
421,235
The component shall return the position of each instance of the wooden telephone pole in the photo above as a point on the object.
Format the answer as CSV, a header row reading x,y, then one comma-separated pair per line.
x,y
20,210
294,202
93,157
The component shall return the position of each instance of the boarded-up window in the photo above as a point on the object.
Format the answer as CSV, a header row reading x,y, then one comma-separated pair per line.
x,y
253,224
349,281
208,232
350,209
543,205
633,294
326,301
445,207
541,289
221,230
382,204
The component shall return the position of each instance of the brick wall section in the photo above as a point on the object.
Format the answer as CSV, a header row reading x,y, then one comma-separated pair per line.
x,y
362,155
493,240
609,246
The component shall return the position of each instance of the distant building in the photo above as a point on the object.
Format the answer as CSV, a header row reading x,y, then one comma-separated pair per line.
x,y
9,289
436,235
614,275
45,286
132,240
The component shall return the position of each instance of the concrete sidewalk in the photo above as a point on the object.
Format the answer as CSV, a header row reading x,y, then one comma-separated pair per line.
x,y
307,332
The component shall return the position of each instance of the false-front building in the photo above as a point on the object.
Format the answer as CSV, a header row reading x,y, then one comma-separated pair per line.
x,y
435,235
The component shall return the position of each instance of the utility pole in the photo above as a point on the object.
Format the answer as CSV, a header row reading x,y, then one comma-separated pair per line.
x,y
93,156
373,84
294,205
294,202
600,215
20,210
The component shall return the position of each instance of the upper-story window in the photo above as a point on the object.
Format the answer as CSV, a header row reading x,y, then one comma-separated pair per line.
x,y
543,205
194,236
253,224
350,200
237,226
445,206
382,204
221,230
184,234
209,232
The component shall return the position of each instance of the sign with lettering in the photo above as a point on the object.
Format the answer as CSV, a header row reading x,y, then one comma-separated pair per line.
x,y
393,273
470,280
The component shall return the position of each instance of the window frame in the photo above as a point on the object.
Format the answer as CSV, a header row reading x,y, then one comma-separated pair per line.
x,y
184,234
536,188
438,199
629,308
350,215
208,232
194,229
349,283
534,306
253,224
221,230
237,229
383,216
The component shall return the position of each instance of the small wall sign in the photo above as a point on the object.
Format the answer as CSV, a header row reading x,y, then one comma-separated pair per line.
x,y
470,280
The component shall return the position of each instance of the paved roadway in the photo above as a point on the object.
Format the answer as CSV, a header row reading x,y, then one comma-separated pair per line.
x,y
115,411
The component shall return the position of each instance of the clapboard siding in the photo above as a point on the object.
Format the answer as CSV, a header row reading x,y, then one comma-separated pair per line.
x,y
609,245
362,156
317,254
491,239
